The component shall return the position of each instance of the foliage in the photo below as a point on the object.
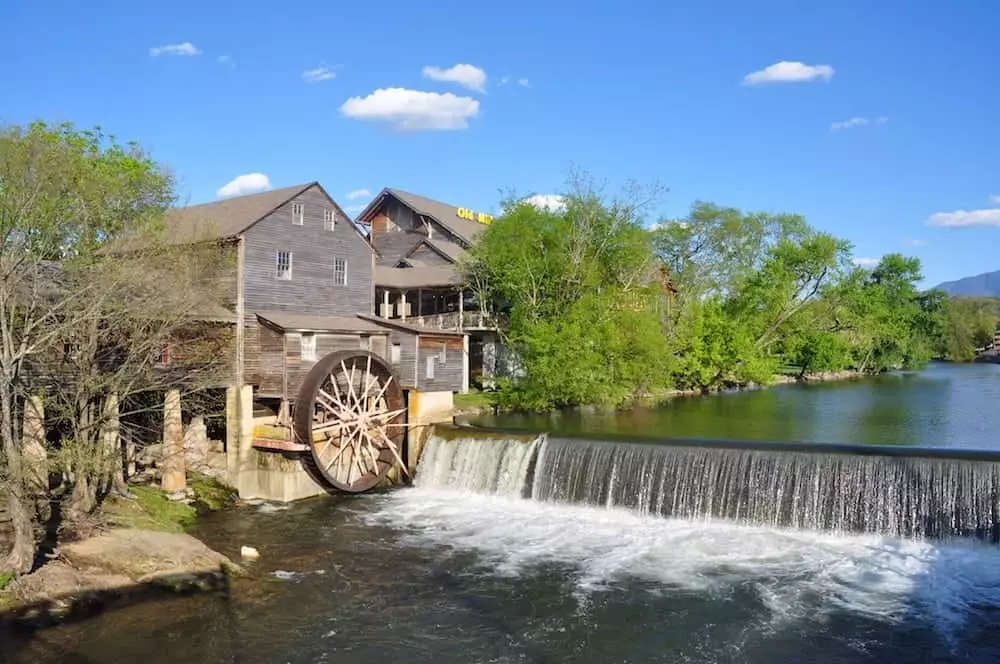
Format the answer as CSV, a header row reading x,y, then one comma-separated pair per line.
x,y
148,508
580,290
91,291
750,295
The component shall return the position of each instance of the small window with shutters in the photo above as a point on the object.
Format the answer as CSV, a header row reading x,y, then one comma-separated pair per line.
x,y
329,221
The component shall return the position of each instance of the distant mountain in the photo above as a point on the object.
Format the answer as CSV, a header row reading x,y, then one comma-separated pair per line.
x,y
981,285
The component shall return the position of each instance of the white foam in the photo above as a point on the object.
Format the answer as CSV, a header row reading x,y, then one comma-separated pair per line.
x,y
795,573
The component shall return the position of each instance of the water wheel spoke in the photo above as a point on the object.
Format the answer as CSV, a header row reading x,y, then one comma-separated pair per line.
x,y
352,401
383,417
330,426
395,452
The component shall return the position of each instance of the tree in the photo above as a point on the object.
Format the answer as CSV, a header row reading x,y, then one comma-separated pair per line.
x,y
581,290
89,287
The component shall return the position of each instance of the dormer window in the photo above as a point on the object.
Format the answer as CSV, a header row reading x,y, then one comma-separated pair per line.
x,y
329,220
298,213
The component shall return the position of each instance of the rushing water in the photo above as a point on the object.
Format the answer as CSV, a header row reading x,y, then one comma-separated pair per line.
x,y
520,551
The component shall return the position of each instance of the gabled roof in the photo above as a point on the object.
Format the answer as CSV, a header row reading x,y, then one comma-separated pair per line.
x,y
443,213
225,219
447,250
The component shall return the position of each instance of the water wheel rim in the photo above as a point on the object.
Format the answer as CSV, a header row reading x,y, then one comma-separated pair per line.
x,y
350,412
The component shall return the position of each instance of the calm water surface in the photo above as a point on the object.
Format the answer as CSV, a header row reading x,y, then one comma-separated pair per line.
x,y
944,406
431,575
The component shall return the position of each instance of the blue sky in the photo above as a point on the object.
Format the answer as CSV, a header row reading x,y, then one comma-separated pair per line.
x,y
649,91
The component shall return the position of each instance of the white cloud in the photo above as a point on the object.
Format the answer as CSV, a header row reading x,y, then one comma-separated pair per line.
x,y
858,122
468,76
354,209
224,60
995,199
551,202
504,80
244,184
966,218
867,263
412,110
917,243
318,74
187,48
789,72
358,193
524,83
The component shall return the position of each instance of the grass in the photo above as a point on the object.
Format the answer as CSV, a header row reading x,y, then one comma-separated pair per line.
x,y
475,400
5,580
149,509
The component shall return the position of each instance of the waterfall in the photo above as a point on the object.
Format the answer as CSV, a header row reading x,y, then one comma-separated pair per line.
x,y
816,487
479,463
893,495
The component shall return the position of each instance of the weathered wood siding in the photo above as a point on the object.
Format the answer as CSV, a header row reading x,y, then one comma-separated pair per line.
x,y
311,289
270,376
406,367
449,364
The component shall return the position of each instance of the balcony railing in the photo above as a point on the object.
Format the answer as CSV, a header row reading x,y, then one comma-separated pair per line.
x,y
455,320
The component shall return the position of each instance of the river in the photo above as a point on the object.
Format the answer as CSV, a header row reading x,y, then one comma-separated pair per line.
x,y
435,574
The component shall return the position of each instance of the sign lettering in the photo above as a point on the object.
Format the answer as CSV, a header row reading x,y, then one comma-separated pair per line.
x,y
471,215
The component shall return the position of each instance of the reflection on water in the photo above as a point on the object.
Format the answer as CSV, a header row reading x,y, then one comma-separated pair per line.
x,y
944,406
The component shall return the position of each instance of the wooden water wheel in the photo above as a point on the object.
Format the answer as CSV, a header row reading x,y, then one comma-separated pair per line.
x,y
350,413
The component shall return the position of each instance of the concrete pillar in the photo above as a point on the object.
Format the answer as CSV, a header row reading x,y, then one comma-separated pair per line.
x,y
425,409
465,363
111,439
174,476
36,458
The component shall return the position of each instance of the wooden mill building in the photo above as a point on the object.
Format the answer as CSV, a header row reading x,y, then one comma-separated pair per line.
x,y
303,283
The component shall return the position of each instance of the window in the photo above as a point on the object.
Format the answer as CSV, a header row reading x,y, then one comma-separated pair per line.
x,y
394,354
443,355
366,343
340,271
284,265
298,213
328,220
308,346
430,366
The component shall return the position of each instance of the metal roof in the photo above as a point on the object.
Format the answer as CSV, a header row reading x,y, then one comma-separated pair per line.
x,y
416,277
296,322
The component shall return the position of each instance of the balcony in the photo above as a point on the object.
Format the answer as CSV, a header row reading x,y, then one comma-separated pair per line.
x,y
454,320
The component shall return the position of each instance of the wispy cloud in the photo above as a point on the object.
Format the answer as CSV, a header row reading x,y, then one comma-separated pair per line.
x,y
468,76
524,83
551,202
995,199
867,263
186,48
789,72
358,193
858,122
989,217
244,184
412,110
322,73
224,60
916,243
354,209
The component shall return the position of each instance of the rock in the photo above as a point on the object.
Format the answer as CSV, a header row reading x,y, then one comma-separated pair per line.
x,y
141,554
177,496
249,553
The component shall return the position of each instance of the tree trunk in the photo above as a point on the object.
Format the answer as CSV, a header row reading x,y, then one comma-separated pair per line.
x,y
22,554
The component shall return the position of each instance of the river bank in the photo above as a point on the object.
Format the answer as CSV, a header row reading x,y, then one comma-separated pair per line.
x,y
135,546
475,404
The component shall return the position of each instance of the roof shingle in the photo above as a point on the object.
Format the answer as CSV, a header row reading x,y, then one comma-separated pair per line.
x,y
226,218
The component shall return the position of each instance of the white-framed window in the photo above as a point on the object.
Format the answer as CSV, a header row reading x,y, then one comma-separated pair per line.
x,y
283,265
340,271
308,346
298,213
443,355
329,220
431,361
394,353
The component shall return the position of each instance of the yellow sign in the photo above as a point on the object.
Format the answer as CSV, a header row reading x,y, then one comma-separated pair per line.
x,y
481,217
